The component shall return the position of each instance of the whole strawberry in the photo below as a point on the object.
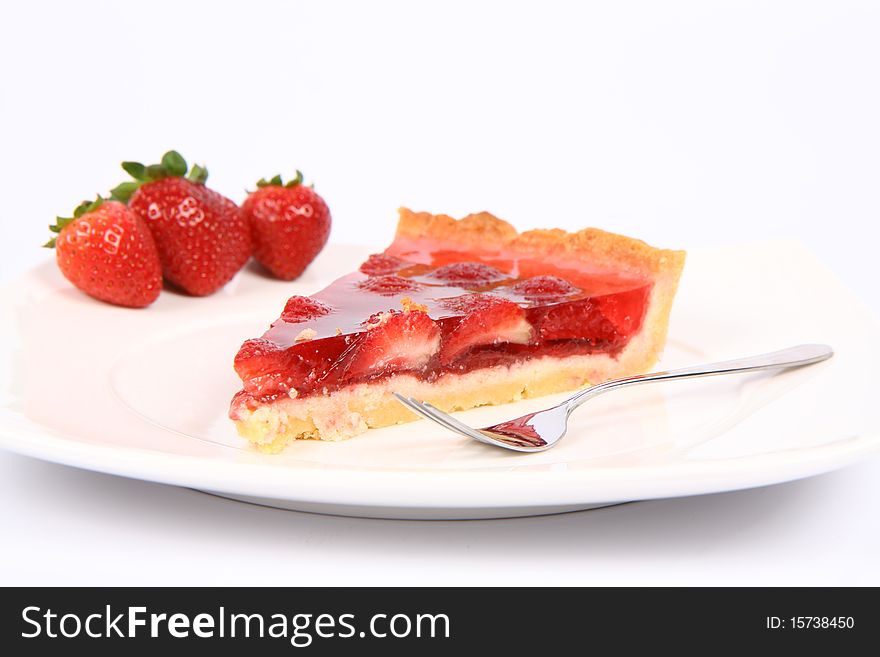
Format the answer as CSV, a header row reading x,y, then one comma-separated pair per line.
x,y
202,237
108,252
289,225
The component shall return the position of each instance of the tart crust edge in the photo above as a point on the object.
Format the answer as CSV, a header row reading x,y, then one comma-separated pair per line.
x,y
607,250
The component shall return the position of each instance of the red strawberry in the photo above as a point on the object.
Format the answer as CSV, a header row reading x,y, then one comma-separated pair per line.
x,y
289,225
268,370
396,341
486,320
257,362
604,319
544,288
107,251
389,285
468,274
578,320
202,237
625,310
265,368
301,309
379,264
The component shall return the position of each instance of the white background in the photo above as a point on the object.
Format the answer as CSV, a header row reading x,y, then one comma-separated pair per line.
x,y
686,124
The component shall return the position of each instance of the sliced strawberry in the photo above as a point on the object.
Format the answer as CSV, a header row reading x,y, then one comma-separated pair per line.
x,y
389,285
302,309
380,264
578,320
260,363
465,274
469,303
486,320
625,310
257,356
394,342
267,369
544,288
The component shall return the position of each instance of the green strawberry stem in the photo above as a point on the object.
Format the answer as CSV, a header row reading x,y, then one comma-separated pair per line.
x,y
171,165
277,181
61,222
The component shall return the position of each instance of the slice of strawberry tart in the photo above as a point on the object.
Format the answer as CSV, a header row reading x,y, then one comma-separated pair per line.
x,y
459,313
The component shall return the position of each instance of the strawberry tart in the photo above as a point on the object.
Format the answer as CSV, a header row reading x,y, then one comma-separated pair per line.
x,y
459,313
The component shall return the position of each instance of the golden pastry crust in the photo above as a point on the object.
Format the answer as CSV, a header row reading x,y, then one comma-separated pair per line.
x,y
600,248
474,230
354,409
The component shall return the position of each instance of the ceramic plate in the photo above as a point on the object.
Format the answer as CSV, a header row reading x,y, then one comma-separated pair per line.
x,y
144,394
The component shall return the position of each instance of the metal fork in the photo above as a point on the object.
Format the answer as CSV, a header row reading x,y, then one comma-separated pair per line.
x,y
539,431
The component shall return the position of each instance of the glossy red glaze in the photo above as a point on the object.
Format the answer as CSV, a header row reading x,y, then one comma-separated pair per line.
x,y
571,308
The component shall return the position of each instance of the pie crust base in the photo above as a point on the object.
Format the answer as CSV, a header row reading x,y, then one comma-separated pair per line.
x,y
354,409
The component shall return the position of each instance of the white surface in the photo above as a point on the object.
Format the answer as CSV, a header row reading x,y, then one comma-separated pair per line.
x,y
685,123
148,399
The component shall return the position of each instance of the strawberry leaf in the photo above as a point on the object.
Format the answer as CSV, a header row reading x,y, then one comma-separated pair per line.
x,y
198,174
155,172
123,191
62,222
277,180
87,206
136,170
274,180
80,209
296,181
174,164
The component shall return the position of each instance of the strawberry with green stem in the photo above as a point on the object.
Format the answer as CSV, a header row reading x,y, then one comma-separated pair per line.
x,y
290,224
106,251
202,237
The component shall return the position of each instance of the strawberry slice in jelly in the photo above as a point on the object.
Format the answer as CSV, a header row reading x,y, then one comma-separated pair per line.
x,y
390,285
625,310
484,320
302,309
380,264
578,320
468,274
544,288
268,370
393,342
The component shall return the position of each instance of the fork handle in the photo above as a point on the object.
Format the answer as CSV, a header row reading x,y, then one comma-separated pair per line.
x,y
805,354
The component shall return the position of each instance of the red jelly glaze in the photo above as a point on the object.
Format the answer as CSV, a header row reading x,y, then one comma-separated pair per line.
x,y
571,307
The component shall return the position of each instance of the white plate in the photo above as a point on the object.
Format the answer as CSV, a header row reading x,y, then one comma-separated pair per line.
x,y
144,394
